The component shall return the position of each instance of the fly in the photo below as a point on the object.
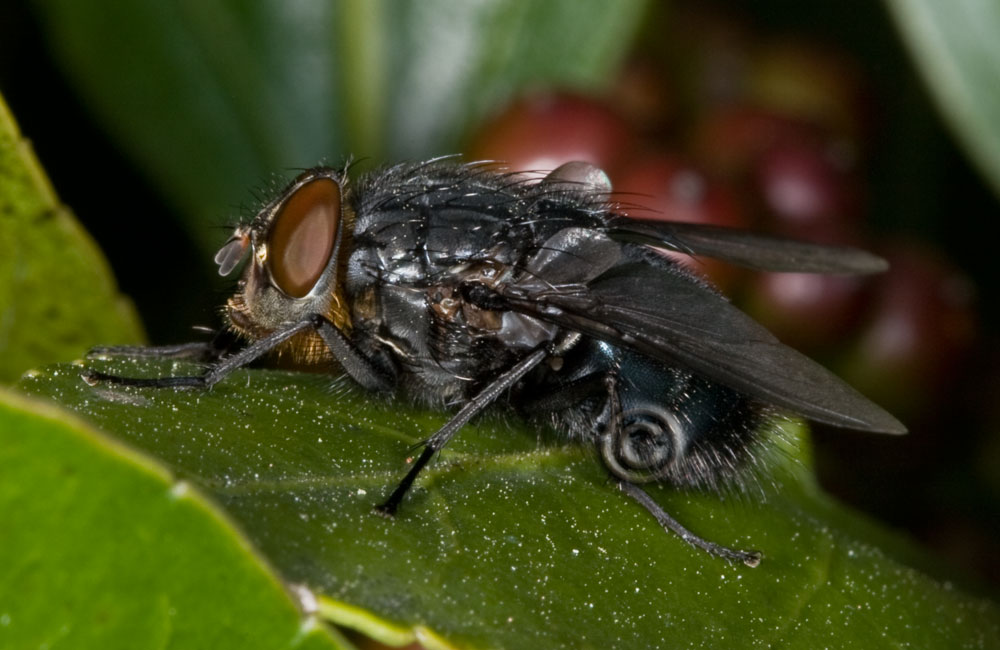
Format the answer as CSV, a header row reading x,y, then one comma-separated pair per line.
x,y
454,284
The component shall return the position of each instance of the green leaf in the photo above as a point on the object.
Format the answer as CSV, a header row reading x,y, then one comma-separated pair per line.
x,y
57,296
513,539
102,548
212,98
956,48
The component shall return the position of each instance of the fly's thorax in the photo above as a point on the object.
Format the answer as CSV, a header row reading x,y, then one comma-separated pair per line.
x,y
406,288
295,244
416,246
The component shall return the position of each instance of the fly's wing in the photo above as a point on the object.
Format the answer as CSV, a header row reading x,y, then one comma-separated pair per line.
x,y
745,248
668,316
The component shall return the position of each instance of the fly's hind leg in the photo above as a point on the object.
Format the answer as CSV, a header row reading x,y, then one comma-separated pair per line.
x,y
749,558
615,423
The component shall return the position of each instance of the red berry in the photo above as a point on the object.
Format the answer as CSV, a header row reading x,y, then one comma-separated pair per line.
x,y
806,310
728,140
921,330
802,185
664,187
539,132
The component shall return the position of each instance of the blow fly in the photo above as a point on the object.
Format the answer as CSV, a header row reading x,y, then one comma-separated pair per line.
x,y
455,284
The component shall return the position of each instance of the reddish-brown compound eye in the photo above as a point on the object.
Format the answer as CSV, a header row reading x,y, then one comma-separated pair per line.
x,y
302,236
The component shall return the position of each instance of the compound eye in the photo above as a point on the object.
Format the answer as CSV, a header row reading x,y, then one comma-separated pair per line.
x,y
302,236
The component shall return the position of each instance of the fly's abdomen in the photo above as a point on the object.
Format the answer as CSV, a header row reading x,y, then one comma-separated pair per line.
x,y
678,427
671,425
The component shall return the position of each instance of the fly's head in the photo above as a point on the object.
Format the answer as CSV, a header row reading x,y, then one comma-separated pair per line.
x,y
296,245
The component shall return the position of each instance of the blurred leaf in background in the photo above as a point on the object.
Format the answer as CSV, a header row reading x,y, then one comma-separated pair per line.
x,y
213,98
955,46
57,295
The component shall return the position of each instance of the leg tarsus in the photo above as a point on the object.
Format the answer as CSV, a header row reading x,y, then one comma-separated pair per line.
x,y
749,558
222,341
389,506
92,377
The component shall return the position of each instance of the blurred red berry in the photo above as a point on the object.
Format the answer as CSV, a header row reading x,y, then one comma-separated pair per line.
x,y
541,131
804,186
918,336
810,312
727,141
662,186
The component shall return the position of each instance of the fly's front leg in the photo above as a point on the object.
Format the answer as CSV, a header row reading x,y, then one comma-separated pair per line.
x,y
350,358
222,341
214,372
